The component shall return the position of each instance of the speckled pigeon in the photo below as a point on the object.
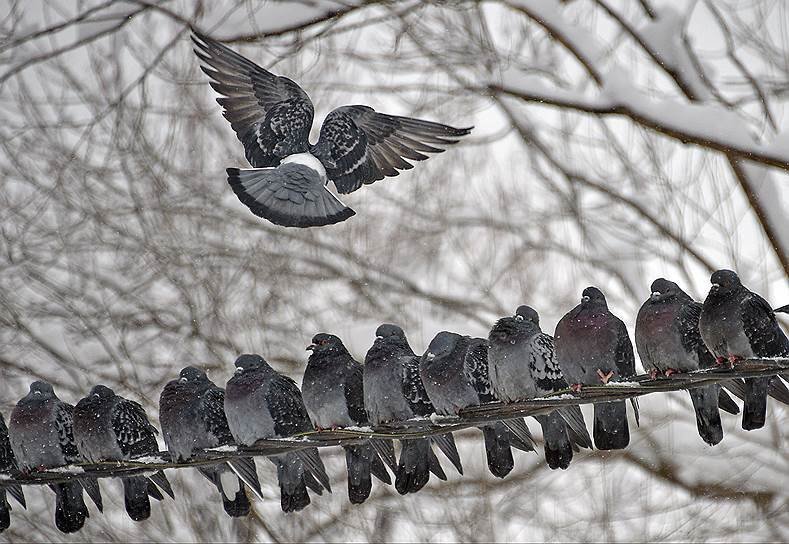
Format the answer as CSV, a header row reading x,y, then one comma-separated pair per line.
x,y
391,362
735,324
333,394
261,403
454,370
593,347
7,464
272,116
108,427
192,415
668,341
523,366
41,436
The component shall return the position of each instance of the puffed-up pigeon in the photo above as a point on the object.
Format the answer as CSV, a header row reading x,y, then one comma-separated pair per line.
x,y
736,323
261,403
41,435
393,391
8,463
523,366
454,370
593,347
668,341
272,117
192,415
332,388
108,427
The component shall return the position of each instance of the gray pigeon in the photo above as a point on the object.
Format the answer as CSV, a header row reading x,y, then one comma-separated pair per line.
x,y
393,391
260,404
8,464
736,324
272,116
108,427
192,415
333,394
668,341
523,366
41,436
454,371
593,347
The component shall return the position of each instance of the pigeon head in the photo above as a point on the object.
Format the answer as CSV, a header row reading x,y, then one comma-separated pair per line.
x,y
442,345
326,343
248,361
592,296
724,281
664,290
388,330
528,314
101,392
191,374
42,390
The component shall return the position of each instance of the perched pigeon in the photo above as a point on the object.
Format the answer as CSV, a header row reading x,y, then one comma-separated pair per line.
x,y
593,347
41,435
735,324
8,463
391,362
192,415
454,370
333,395
523,366
668,341
260,403
272,116
108,427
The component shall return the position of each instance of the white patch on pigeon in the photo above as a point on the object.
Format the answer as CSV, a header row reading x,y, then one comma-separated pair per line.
x,y
229,483
308,160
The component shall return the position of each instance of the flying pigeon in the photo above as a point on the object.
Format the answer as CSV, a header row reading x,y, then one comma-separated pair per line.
x,y
260,403
523,366
393,391
7,464
272,116
41,436
736,323
593,347
454,370
108,427
668,342
192,415
333,395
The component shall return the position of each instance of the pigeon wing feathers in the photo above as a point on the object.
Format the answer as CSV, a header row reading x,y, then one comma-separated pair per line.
x,y
544,366
476,369
354,394
413,388
358,145
762,329
286,407
291,195
212,412
65,426
689,315
134,433
625,358
271,115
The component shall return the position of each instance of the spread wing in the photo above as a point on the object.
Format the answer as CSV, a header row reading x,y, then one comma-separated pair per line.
x,y
475,366
65,427
291,195
358,145
286,407
762,329
413,388
135,435
212,411
354,393
270,114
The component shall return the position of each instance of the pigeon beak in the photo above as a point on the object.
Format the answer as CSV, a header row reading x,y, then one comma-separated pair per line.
x,y
311,347
654,296
585,299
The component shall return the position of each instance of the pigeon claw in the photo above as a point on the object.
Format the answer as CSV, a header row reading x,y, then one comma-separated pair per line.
x,y
653,374
605,377
576,387
719,361
670,371
734,359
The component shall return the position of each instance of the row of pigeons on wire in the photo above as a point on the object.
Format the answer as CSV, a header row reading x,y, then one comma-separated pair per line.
x,y
518,361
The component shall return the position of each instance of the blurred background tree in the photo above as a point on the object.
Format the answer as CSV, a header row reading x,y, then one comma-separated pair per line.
x,y
615,142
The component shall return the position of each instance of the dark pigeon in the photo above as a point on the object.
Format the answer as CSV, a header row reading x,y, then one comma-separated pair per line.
x,y
391,362
333,394
192,415
108,427
41,435
737,324
272,117
8,464
593,347
523,366
261,403
668,341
